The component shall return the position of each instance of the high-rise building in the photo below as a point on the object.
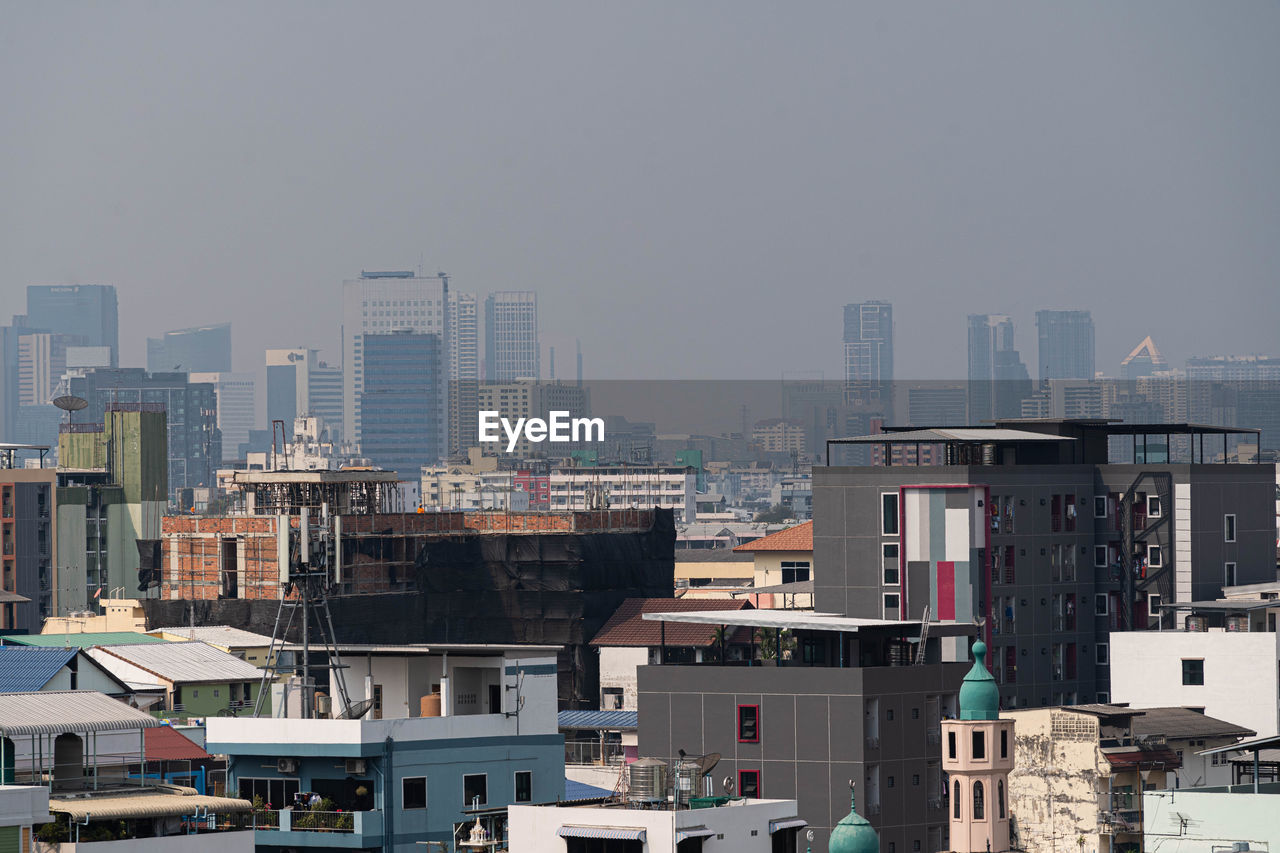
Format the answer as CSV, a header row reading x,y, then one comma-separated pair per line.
x,y
1066,344
299,384
88,311
379,303
236,410
205,349
402,403
29,553
464,366
998,380
511,336
1144,360
194,441
936,405
868,351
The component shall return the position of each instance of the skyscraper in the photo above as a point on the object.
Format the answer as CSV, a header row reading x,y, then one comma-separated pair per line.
x,y
511,336
205,349
1144,360
236,415
88,311
464,369
401,406
998,380
1066,344
379,303
868,351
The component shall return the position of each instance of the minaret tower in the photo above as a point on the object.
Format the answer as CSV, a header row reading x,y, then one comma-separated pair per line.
x,y
977,753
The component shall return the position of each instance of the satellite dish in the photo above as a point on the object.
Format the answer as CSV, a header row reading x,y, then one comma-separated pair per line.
x,y
728,784
808,835
707,763
70,403
356,710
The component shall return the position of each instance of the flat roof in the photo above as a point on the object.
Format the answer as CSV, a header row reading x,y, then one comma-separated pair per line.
x,y
809,621
939,435
1258,743
1225,604
797,587
426,648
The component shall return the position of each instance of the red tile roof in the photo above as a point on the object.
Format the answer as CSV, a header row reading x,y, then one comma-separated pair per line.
x,y
627,628
166,744
798,538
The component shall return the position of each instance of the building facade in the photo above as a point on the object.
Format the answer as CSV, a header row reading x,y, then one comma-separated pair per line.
x,y
205,349
403,402
868,351
85,311
998,379
28,547
1066,344
236,408
511,345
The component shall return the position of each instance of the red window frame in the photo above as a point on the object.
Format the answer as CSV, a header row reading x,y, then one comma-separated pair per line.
x,y
756,710
742,783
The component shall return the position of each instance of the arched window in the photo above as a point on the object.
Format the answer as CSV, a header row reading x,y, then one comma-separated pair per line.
x,y
955,796
1000,796
979,809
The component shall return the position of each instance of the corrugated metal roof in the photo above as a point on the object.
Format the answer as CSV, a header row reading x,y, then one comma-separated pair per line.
x,y
186,663
166,744
218,635
610,720
934,436
58,711
24,669
146,803
575,791
607,833
627,628
85,640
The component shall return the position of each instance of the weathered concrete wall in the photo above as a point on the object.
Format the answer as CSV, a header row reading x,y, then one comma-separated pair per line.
x,y
1053,801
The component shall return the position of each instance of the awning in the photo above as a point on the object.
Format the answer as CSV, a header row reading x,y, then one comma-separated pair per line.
x,y
786,823
693,832
609,833
125,807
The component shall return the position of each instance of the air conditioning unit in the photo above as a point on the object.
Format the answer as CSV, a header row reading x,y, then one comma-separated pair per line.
x,y
286,765
356,767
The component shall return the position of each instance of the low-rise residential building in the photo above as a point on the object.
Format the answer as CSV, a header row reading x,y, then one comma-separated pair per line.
x,y
460,728
1189,732
22,807
28,547
1230,675
828,699
1080,772
712,572
629,641
784,564
746,826
118,614
88,752
246,645
198,680
28,669
626,487
1218,817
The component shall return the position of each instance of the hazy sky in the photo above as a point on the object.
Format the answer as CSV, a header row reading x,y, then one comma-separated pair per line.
x,y
694,189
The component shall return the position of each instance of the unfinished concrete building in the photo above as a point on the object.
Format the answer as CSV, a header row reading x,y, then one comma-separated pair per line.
x,y
433,577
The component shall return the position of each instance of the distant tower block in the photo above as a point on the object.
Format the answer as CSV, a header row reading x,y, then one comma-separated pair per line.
x,y
977,753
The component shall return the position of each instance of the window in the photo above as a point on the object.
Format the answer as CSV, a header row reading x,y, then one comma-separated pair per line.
x,y
1000,798
951,745
955,799
979,746
1100,556
749,783
475,789
1229,574
891,550
888,715
1193,671
376,712
1228,528
1154,557
979,807
1104,697
195,693
891,602
748,724
889,513
915,713
1100,604
524,786
413,792
889,782
915,779
1153,506
275,793
890,575
612,698
1101,654
1004,743
795,571
1099,506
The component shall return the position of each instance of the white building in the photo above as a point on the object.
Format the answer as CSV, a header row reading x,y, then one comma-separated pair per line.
x,y
640,487
1230,675
744,826
309,449
379,303
511,343
235,408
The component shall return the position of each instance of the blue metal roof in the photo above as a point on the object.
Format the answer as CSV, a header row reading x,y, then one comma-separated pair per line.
x,y
606,720
26,669
575,791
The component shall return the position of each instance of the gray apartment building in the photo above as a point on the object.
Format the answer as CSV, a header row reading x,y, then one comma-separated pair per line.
x,y
1029,527
847,701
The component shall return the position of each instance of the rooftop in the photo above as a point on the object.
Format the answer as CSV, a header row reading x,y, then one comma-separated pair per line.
x,y
84,640
218,635
25,669
167,744
158,801
702,614
189,662
55,712
599,720
1182,723
629,626
798,538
